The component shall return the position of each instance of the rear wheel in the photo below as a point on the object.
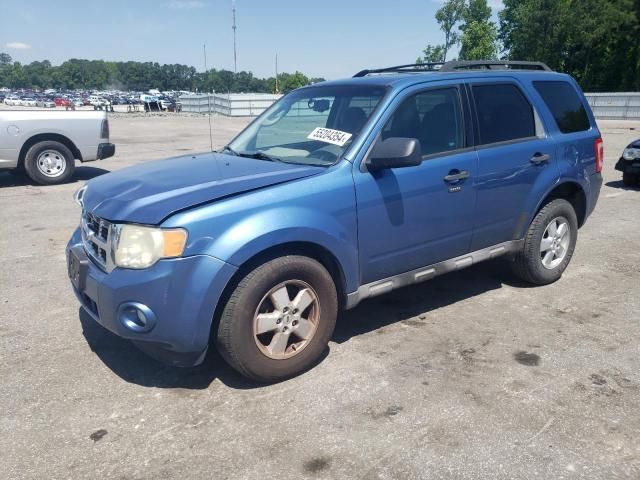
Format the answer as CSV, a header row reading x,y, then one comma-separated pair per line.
x,y
279,319
548,245
49,163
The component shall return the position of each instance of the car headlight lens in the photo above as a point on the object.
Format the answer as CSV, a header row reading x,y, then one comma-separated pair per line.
x,y
135,246
631,153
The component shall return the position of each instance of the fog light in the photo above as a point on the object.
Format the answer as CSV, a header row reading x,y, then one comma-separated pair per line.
x,y
136,317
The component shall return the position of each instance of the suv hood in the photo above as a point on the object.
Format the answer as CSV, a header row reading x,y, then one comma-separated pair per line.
x,y
151,192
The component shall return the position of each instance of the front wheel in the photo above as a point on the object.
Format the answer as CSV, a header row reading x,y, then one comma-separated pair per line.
x,y
548,245
279,319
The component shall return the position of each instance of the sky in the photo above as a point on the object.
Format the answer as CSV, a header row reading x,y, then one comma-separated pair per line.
x,y
327,38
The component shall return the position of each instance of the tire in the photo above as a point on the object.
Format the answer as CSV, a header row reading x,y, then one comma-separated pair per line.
x,y
630,179
49,163
258,355
529,263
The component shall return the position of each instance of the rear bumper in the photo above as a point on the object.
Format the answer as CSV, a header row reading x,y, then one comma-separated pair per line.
x,y
106,150
628,166
182,293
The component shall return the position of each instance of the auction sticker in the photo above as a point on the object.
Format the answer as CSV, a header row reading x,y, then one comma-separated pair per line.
x,y
327,135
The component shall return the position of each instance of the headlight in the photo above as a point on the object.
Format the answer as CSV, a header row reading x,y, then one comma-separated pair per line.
x,y
139,247
631,153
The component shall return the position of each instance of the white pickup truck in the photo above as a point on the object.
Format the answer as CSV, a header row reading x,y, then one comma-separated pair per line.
x,y
45,144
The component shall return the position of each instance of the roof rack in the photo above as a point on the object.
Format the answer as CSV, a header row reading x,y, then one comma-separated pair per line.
x,y
411,67
457,66
494,65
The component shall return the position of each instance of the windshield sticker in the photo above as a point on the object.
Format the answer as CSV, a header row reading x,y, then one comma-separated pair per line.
x,y
327,135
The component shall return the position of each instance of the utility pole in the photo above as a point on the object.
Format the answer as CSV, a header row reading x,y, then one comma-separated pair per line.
x,y
235,51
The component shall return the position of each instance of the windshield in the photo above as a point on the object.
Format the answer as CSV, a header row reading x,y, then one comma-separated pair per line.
x,y
311,126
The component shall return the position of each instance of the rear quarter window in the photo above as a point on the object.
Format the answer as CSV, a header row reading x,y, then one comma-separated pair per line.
x,y
504,114
565,105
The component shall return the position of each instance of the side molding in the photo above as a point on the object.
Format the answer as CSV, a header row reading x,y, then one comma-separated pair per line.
x,y
428,272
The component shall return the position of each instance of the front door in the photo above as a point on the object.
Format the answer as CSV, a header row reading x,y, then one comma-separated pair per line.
x,y
416,216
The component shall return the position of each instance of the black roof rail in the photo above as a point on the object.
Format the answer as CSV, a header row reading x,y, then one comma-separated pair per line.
x,y
493,65
453,66
411,67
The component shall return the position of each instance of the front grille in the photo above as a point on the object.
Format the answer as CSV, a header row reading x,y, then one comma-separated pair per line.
x,y
96,234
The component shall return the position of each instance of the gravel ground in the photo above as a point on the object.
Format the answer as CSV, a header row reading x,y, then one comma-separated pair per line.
x,y
470,376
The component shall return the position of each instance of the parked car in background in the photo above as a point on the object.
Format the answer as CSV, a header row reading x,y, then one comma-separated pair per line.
x,y
45,103
340,191
629,164
28,102
45,144
12,100
61,102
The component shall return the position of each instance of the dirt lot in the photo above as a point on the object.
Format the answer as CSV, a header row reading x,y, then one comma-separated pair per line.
x,y
472,375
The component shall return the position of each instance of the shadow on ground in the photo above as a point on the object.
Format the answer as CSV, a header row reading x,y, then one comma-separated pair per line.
x,y
13,178
620,184
132,365
413,301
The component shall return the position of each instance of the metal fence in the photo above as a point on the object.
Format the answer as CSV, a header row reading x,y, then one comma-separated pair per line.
x,y
615,106
231,105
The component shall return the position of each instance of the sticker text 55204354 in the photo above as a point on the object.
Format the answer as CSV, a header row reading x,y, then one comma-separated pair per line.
x,y
327,135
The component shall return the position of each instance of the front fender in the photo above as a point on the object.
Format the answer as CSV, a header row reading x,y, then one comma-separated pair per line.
x,y
265,230
319,210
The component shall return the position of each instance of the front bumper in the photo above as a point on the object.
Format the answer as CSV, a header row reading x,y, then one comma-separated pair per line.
x,y
182,292
628,166
106,150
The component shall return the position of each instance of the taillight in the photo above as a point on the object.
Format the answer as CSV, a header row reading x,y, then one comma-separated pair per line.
x,y
104,131
599,147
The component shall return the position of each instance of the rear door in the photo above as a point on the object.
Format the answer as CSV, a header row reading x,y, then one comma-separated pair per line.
x,y
573,131
513,153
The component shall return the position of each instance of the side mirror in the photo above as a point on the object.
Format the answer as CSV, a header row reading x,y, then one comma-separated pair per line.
x,y
395,152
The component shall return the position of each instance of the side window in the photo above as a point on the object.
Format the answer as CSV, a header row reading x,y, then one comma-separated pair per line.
x,y
366,104
504,113
564,103
434,117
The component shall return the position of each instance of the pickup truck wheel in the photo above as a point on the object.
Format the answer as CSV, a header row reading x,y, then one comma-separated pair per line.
x,y
279,319
548,245
49,163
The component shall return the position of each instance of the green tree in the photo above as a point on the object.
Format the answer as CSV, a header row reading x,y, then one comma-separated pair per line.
x,y
479,41
288,82
596,41
449,16
432,53
138,76
479,34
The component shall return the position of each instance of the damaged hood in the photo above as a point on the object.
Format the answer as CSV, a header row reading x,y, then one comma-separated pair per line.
x,y
151,192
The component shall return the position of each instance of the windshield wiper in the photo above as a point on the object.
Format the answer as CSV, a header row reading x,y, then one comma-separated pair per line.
x,y
258,156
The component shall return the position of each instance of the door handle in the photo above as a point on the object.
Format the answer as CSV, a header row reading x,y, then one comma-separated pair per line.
x,y
455,176
540,158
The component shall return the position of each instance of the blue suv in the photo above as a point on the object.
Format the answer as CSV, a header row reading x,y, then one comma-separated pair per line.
x,y
340,191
